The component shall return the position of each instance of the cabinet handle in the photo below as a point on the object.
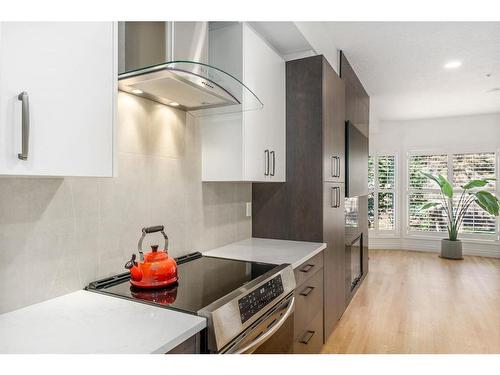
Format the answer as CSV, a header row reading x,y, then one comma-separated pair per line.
x,y
335,166
307,268
335,197
25,120
307,337
266,166
307,291
274,163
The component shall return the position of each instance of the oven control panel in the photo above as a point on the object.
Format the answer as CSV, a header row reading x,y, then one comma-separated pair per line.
x,y
259,298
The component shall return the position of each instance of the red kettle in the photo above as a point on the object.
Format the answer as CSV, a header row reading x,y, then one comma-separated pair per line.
x,y
155,269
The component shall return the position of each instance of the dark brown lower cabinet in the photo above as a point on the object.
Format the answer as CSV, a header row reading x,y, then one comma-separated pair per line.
x,y
308,316
310,340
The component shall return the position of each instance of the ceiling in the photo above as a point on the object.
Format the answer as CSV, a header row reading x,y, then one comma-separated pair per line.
x,y
401,66
285,37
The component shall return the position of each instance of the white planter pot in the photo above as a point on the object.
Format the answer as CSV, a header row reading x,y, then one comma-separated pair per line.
x,y
451,249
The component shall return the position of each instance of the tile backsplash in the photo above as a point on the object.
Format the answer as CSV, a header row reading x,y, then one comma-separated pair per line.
x,y
58,234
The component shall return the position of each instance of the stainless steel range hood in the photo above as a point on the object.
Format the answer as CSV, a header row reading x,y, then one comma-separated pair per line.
x,y
197,88
192,86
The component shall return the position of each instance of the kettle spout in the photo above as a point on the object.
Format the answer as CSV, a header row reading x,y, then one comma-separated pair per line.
x,y
136,273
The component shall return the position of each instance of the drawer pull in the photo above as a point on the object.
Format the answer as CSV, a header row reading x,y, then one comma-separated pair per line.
x,y
307,291
307,268
307,337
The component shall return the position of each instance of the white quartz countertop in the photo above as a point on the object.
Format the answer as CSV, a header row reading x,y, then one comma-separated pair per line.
x,y
269,251
88,322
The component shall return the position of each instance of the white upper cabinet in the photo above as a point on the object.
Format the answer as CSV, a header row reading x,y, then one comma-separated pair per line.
x,y
249,146
67,72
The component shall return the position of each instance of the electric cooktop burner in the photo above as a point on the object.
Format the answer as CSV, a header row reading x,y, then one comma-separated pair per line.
x,y
202,280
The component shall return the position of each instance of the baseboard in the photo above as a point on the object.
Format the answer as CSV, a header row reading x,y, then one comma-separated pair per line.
x,y
479,249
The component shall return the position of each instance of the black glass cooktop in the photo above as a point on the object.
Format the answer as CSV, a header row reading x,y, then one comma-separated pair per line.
x,y
201,281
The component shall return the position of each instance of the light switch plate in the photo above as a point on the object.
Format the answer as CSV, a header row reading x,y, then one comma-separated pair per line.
x,y
248,209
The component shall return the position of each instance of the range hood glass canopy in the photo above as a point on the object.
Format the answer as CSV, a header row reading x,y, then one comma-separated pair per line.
x,y
194,87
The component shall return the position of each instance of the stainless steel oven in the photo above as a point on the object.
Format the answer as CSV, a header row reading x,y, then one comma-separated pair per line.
x,y
258,317
271,334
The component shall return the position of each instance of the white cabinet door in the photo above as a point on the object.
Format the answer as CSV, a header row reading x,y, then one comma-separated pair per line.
x,y
264,73
276,120
256,76
68,71
237,148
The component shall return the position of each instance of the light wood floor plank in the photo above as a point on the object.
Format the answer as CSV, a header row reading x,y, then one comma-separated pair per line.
x,y
416,302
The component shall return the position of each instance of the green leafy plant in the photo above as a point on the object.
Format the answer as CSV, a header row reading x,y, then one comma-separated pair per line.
x,y
471,193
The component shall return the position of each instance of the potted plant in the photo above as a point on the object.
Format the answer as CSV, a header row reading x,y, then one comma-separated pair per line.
x,y
451,248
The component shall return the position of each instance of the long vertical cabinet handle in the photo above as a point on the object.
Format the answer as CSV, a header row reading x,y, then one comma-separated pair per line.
x,y
335,166
274,163
335,197
24,98
266,167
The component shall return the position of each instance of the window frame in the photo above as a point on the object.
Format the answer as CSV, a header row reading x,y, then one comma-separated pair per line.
x,y
467,237
376,231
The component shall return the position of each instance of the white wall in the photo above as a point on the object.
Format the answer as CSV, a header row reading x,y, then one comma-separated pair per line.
x,y
58,234
320,40
452,134
468,132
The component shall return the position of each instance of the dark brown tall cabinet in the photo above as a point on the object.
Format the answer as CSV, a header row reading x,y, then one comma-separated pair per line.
x,y
357,113
310,205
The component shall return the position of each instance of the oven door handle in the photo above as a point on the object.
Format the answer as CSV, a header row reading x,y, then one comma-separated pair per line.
x,y
250,348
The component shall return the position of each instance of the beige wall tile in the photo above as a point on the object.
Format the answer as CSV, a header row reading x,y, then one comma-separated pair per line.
x,y
63,233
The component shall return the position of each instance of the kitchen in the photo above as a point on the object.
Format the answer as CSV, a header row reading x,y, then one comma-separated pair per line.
x,y
180,163
179,187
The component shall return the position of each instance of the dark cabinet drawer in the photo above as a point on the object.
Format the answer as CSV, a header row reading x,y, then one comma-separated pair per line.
x,y
308,268
310,339
308,300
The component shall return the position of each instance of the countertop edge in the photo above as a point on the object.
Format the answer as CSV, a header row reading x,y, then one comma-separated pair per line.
x,y
181,338
309,256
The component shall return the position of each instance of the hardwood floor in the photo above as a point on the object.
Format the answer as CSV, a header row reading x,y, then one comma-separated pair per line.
x,y
416,302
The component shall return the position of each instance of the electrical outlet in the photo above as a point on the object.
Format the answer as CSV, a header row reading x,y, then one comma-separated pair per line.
x,y
248,209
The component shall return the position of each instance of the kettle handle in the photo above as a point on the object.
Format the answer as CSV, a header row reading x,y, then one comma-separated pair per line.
x,y
131,263
147,230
